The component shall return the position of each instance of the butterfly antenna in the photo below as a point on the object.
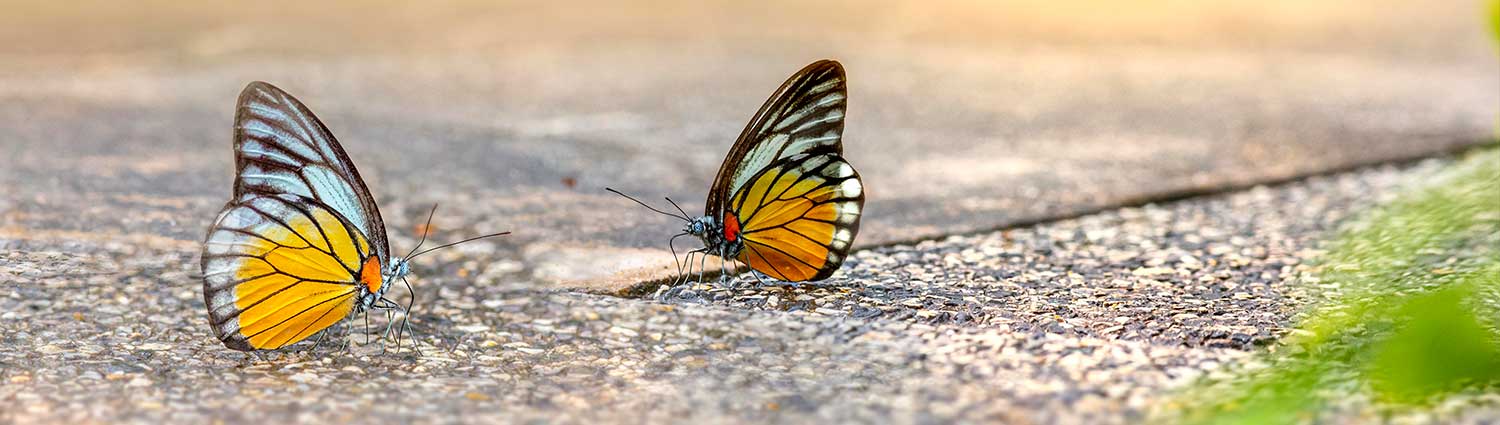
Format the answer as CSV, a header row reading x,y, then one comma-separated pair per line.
x,y
679,209
683,217
426,230
456,243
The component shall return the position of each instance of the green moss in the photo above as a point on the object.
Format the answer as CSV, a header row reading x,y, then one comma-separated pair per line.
x,y
1412,291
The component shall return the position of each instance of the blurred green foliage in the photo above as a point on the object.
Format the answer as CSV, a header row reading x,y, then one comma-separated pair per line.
x,y
1441,347
1411,291
1495,19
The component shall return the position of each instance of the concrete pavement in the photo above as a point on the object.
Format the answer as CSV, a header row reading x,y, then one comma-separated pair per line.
x,y
963,117
1091,320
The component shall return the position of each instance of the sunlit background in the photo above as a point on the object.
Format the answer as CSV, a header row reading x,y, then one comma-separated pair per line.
x,y
966,115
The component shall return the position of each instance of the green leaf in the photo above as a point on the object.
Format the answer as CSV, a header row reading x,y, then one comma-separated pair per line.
x,y
1441,348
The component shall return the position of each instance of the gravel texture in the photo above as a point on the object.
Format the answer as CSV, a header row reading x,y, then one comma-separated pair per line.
x,y
1091,319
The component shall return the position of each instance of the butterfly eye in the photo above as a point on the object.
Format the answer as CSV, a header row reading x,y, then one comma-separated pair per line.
x,y
699,227
399,268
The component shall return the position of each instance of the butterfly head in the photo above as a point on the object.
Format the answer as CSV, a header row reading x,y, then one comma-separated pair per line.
x,y
700,226
398,269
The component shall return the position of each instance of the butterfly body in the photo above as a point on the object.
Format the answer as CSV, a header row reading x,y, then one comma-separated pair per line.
x,y
372,281
720,238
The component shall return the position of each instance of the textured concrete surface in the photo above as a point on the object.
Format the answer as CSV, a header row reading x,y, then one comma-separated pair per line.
x,y
1089,320
115,124
963,116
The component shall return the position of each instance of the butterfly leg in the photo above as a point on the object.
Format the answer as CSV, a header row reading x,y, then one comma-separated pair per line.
x,y
702,265
367,327
416,337
406,315
760,283
339,330
677,278
724,272
684,269
323,334
675,286
702,260
390,321
393,308
385,334
390,308
399,329
346,332
346,327
673,248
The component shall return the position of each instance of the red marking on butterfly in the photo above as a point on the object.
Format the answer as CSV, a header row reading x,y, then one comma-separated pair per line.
x,y
369,274
731,227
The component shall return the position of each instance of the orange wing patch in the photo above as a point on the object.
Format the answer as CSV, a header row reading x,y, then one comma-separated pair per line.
x,y
778,263
278,269
370,276
294,313
799,217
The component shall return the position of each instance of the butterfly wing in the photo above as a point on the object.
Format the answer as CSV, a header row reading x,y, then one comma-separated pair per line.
x,y
804,116
279,268
798,216
285,257
281,147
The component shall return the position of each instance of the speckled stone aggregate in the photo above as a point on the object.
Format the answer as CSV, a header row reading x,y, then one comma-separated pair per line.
x,y
1090,319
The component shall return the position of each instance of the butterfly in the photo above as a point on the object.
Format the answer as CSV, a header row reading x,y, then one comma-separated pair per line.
x,y
301,245
785,202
